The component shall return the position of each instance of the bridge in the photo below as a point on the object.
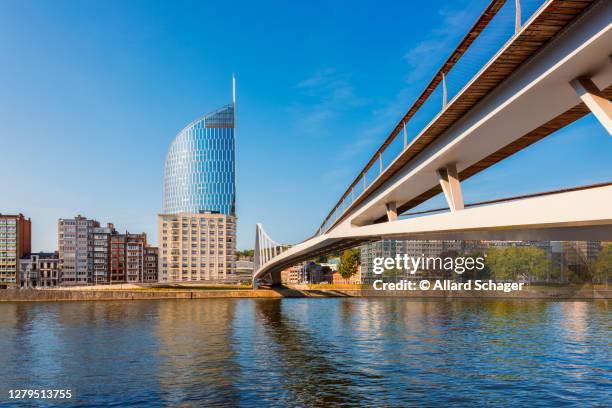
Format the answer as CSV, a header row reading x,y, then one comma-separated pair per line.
x,y
553,67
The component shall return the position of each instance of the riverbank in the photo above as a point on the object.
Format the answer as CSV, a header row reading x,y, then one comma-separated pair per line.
x,y
531,292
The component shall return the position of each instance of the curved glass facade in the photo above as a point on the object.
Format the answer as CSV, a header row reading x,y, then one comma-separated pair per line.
x,y
199,172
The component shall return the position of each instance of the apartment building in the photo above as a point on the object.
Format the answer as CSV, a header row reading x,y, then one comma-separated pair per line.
x,y
127,255
40,269
102,253
135,245
15,242
197,247
48,271
150,265
75,245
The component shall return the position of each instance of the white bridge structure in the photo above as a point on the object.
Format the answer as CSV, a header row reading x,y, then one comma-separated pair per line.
x,y
553,67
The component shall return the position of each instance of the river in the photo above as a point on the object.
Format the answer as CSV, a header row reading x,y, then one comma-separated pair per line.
x,y
308,352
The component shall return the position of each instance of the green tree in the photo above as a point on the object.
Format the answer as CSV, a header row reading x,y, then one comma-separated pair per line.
x,y
484,273
603,264
348,263
510,263
247,253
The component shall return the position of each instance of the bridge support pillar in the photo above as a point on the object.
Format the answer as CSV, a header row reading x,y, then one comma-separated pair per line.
x,y
391,211
449,180
595,100
275,278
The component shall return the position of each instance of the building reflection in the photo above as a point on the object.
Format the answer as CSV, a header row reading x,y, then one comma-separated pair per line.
x,y
310,374
575,324
195,354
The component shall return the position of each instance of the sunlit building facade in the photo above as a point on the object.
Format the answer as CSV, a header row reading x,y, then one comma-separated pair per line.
x,y
75,237
197,247
15,242
197,227
199,172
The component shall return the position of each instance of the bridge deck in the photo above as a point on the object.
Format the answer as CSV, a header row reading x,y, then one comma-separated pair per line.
x,y
537,32
543,216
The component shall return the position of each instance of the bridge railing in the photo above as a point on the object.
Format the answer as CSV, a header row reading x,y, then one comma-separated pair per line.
x,y
501,20
265,248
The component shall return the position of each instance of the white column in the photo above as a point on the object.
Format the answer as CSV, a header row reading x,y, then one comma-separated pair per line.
x,y
391,211
595,100
444,94
449,180
517,16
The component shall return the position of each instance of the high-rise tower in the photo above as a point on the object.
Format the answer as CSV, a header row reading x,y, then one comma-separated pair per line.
x,y
197,227
199,172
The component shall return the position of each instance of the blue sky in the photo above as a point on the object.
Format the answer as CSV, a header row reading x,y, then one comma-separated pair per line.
x,y
92,93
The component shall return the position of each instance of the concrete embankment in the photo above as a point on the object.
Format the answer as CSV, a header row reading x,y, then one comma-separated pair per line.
x,y
536,292
66,295
561,293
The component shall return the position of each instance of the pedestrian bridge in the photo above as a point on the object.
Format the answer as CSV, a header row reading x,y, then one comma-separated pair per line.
x,y
553,66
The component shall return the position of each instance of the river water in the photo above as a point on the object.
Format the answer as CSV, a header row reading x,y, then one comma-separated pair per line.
x,y
309,352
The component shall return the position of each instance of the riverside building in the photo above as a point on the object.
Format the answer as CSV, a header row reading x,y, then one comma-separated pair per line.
x,y
15,242
39,269
197,227
75,243
150,265
197,247
128,258
91,254
102,253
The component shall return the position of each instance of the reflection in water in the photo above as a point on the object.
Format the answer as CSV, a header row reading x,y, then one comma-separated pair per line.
x,y
310,376
574,322
309,352
196,360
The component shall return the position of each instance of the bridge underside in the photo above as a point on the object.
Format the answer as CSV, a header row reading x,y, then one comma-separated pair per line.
x,y
552,72
539,218
522,96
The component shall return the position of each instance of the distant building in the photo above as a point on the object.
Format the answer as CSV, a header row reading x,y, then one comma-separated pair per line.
x,y
75,244
91,254
414,248
117,273
244,270
15,242
304,272
574,256
581,252
318,274
331,265
48,271
102,253
135,245
39,269
197,247
127,253
150,265
293,275
565,256
197,227
371,250
28,273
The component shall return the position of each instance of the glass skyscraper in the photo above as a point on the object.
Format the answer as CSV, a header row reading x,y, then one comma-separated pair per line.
x,y
199,172
197,228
